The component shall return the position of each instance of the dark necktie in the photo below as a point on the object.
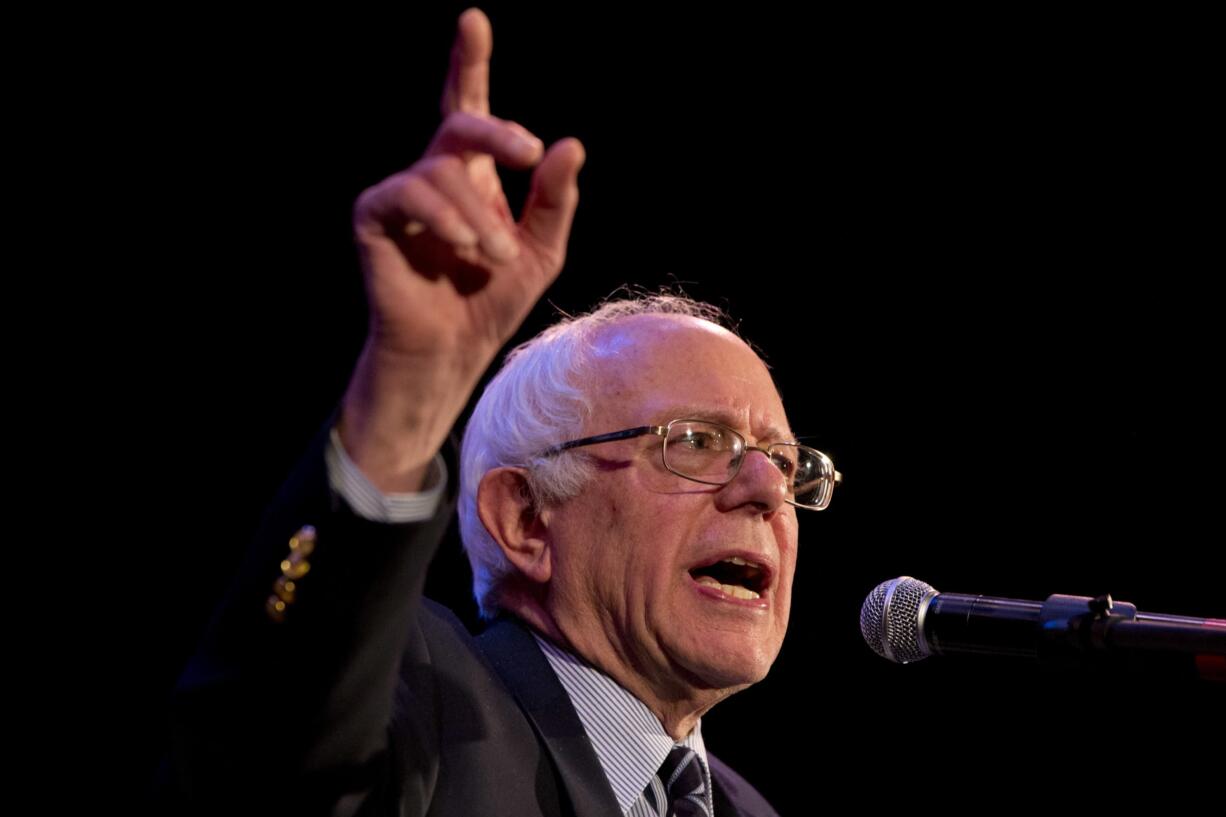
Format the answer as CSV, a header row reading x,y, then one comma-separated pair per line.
x,y
682,784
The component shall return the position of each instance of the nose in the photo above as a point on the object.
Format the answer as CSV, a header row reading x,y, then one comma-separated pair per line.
x,y
759,484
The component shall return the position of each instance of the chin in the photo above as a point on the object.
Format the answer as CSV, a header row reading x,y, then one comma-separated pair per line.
x,y
733,667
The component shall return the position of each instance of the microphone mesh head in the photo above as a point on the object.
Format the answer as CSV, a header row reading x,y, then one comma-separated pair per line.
x,y
889,619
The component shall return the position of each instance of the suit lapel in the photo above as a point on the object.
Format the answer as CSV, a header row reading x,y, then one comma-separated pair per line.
x,y
719,798
733,796
516,657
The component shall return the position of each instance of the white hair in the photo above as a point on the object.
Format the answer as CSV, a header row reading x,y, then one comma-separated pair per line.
x,y
534,402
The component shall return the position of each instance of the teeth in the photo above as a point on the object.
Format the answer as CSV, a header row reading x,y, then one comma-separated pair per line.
x,y
730,589
737,560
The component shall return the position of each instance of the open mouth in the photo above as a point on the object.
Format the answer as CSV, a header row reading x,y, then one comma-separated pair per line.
x,y
733,576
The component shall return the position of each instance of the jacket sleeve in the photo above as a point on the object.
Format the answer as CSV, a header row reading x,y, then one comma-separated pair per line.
x,y
293,709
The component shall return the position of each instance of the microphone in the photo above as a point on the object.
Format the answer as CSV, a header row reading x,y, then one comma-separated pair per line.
x,y
906,620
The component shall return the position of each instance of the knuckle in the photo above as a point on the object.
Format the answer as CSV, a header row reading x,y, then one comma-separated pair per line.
x,y
456,123
440,167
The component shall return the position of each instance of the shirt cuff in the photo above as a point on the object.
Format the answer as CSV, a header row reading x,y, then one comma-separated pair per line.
x,y
369,502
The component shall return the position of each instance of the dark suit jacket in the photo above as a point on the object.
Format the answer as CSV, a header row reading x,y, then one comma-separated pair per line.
x,y
367,699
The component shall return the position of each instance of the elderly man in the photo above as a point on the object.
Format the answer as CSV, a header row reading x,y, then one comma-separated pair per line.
x,y
628,499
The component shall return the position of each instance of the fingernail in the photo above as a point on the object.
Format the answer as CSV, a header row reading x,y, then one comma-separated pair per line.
x,y
465,236
529,148
502,246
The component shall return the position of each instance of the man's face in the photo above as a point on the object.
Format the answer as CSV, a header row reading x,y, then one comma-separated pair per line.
x,y
629,550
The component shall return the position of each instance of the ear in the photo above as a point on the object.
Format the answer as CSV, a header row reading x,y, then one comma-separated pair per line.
x,y
505,506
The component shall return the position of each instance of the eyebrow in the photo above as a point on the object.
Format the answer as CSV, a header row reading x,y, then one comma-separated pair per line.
x,y
722,416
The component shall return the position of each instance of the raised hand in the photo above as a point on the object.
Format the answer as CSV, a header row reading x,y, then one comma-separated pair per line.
x,y
449,273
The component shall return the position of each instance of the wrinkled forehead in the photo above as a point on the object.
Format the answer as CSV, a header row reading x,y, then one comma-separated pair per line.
x,y
652,368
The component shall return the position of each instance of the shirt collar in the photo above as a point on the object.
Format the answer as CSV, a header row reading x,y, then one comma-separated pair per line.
x,y
629,740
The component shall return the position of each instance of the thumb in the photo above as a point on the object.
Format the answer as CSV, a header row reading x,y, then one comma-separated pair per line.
x,y
551,203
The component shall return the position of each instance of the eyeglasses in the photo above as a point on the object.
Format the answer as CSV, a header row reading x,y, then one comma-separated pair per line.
x,y
712,454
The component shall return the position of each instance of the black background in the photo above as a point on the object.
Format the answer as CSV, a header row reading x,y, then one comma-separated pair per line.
x,y
971,248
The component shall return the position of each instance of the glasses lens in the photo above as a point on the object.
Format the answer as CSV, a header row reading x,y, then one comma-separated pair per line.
x,y
702,451
810,473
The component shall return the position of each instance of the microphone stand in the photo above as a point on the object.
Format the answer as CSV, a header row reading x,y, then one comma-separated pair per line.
x,y
1075,627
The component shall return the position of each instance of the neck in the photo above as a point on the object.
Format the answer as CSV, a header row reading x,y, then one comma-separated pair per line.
x,y
675,701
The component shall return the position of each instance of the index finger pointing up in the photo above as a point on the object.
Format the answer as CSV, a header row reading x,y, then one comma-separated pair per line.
x,y
468,79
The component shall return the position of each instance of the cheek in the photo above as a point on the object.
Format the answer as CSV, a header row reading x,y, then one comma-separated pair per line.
x,y
787,536
645,543
598,541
